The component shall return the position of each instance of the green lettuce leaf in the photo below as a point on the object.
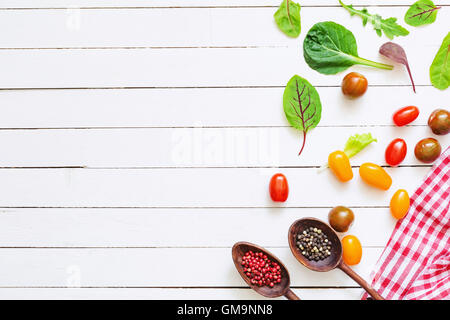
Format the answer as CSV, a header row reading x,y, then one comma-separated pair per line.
x,y
357,143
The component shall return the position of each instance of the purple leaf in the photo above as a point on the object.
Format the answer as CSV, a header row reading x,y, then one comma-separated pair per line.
x,y
396,53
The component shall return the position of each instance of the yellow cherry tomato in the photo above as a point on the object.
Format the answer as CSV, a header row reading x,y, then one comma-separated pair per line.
x,y
399,204
340,165
351,250
375,176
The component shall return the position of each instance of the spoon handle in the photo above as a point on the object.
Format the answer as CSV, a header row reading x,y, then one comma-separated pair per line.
x,y
352,274
291,295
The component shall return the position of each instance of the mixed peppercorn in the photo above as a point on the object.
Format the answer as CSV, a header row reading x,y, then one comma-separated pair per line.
x,y
314,244
260,269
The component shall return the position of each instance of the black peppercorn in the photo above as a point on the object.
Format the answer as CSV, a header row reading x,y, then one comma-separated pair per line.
x,y
314,244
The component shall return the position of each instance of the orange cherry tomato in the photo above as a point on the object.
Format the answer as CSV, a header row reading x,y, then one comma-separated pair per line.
x,y
375,176
351,250
279,188
340,165
400,204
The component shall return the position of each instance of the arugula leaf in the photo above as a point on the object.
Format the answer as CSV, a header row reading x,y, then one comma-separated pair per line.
x,y
389,26
330,48
421,12
302,106
287,18
440,68
357,143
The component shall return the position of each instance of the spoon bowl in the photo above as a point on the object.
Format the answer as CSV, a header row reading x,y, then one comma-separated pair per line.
x,y
326,264
279,289
331,262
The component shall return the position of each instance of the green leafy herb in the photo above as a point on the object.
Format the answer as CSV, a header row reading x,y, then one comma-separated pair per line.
x,y
420,13
440,68
287,18
357,143
330,48
354,145
389,26
302,106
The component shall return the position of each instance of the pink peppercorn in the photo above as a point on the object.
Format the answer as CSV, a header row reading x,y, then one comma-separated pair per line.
x,y
260,269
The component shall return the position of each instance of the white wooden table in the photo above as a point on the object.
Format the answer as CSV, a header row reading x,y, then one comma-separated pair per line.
x,y
138,138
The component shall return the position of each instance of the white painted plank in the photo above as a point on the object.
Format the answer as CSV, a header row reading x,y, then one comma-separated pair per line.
x,y
178,3
198,27
180,67
190,187
150,227
152,268
196,147
202,107
185,68
168,293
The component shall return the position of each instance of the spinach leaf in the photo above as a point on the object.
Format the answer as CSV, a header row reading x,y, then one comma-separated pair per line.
x,y
287,18
420,13
389,26
330,48
302,106
440,68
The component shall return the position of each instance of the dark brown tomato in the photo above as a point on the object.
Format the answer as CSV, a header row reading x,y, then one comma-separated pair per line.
x,y
354,85
439,122
427,150
341,218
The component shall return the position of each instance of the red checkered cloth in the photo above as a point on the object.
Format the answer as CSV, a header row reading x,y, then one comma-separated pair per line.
x,y
416,261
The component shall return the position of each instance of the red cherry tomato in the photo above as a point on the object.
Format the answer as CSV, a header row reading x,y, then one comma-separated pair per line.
x,y
405,115
395,152
278,188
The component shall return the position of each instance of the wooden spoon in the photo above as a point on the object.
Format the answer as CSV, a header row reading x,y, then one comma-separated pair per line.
x,y
279,289
331,262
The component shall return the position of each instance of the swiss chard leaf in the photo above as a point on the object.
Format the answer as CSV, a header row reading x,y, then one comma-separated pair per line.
x,y
440,68
395,52
302,106
389,26
330,48
287,18
421,12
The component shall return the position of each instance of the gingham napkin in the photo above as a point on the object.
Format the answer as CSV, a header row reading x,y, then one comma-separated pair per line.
x,y
416,261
